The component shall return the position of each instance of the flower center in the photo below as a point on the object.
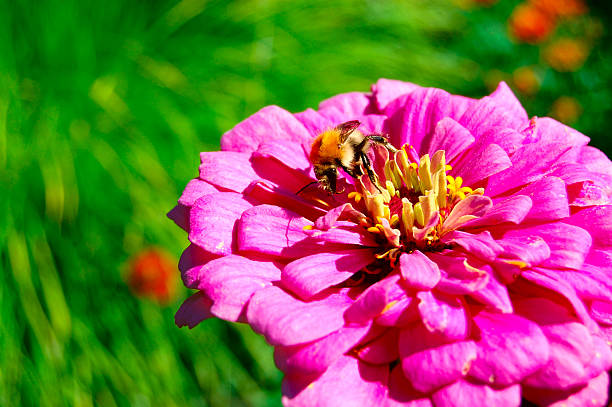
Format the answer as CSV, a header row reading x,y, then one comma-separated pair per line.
x,y
413,205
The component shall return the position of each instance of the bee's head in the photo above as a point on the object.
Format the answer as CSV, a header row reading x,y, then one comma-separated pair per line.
x,y
327,175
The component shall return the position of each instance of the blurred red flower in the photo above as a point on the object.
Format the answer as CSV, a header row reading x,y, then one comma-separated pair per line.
x,y
151,275
531,24
566,54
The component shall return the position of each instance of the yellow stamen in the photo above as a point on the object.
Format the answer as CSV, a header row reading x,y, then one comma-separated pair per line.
x,y
355,195
418,214
425,173
407,215
308,227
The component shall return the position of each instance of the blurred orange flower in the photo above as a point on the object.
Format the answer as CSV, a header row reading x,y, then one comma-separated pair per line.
x,y
151,275
526,80
561,8
566,54
566,109
531,24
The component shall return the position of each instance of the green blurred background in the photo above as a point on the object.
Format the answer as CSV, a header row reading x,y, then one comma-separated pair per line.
x,y
104,109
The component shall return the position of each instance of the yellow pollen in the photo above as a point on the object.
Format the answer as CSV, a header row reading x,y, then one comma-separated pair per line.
x,y
414,165
517,263
385,254
373,229
355,195
388,306
308,227
394,219
448,167
319,201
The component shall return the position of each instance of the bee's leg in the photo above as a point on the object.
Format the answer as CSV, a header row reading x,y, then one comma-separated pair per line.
x,y
353,172
379,139
371,174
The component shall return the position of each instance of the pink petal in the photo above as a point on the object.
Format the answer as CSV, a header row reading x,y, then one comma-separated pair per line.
x,y
595,393
443,314
549,198
418,271
180,216
602,311
269,230
549,130
509,140
399,314
348,382
480,162
568,244
451,137
285,320
415,122
510,348
401,392
346,106
590,283
232,280
459,276
341,212
473,205
270,123
375,300
212,221
465,393
194,310
227,169
386,90
504,97
595,160
597,221
317,356
382,350
529,163
292,155
312,274
602,357
512,209
190,262
266,193
373,124
494,295
486,113
530,249
279,172
429,365
571,345
194,190
314,122
481,245
552,281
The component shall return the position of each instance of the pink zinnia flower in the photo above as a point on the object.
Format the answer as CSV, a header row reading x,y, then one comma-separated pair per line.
x,y
478,275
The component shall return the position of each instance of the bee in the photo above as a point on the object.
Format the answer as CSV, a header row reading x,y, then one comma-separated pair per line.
x,y
344,147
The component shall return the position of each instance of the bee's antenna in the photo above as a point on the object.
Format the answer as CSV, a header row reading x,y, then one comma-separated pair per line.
x,y
306,186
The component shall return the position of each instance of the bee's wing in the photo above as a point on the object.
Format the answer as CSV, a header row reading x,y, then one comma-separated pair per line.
x,y
346,129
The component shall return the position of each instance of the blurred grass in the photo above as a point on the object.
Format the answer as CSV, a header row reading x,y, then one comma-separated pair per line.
x,y
103,111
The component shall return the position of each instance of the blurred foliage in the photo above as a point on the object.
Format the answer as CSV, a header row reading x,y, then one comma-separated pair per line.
x,y
103,110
